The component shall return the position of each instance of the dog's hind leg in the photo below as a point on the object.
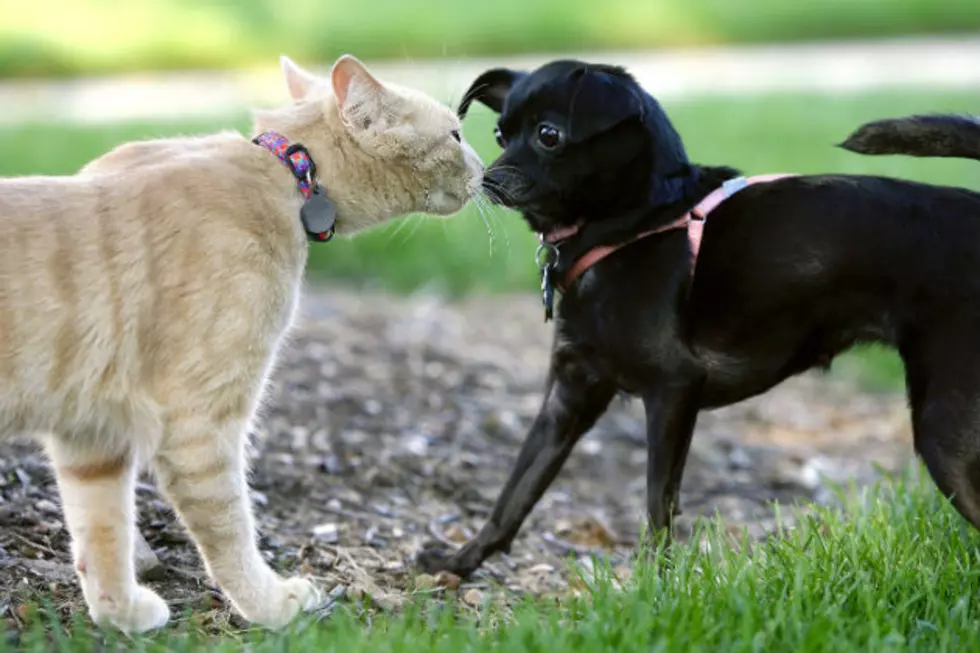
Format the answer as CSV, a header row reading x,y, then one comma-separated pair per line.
x,y
671,415
943,374
574,400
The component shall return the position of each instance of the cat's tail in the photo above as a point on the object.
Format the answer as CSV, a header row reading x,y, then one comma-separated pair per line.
x,y
934,135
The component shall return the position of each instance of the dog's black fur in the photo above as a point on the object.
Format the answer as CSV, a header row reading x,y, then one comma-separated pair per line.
x,y
790,274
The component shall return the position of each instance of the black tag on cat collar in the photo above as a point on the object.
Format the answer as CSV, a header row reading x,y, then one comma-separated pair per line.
x,y
318,215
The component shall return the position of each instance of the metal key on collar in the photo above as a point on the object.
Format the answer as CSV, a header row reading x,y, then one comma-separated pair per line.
x,y
545,265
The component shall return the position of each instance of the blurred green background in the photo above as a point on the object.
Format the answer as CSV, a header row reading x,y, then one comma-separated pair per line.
x,y
102,36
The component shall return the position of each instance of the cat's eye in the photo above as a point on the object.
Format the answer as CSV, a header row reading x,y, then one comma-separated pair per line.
x,y
549,136
499,135
456,136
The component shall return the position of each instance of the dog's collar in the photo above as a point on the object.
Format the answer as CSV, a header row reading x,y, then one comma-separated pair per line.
x,y
693,221
318,213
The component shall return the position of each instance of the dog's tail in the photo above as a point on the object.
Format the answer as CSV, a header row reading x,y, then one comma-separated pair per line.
x,y
935,135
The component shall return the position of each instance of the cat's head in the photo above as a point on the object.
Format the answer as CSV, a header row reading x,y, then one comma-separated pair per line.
x,y
395,150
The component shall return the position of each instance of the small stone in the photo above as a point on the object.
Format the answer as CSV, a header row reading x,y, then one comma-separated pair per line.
x,y
448,580
331,465
623,574
47,506
271,542
588,531
424,582
22,476
543,568
739,458
327,533
591,447
355,593
473,597
148,565
455,534
417,444
301,437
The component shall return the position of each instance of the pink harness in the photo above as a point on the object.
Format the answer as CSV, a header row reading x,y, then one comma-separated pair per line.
x,y
693,221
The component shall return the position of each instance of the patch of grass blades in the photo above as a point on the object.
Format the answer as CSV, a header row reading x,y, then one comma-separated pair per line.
x,y
894,569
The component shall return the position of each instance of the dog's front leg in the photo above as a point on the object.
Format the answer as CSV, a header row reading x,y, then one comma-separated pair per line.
x,y
671,413
574,400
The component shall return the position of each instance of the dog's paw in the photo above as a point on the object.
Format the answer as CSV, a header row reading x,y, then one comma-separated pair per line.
x,y
432,561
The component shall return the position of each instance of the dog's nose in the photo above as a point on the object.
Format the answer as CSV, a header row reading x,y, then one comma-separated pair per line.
x,y
496,176
493,186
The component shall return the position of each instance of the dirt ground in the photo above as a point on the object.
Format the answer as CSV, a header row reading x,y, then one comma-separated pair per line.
x,y
392,423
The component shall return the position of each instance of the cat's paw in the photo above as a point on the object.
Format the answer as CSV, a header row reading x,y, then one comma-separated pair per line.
x,y
285,601
144,611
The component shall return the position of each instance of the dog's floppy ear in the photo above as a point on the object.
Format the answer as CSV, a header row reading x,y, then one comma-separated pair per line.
x,y
603,99
490,88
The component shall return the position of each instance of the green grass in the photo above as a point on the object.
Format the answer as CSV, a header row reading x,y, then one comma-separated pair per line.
x,y
66,37
896,569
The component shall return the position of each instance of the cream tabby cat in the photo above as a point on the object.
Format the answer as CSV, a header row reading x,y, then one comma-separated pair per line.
x,y
142,302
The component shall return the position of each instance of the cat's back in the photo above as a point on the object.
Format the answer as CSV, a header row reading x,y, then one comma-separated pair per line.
x,y
161,256
136,156
202,198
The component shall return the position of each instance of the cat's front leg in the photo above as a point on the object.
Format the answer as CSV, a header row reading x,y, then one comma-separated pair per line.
x,y
97,496
202,470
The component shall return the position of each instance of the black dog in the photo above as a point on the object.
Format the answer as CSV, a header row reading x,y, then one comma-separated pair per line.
x,y
790,274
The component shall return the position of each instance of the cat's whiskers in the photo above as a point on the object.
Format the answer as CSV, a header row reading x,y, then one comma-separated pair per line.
x,y
481,210
500,221
414,220
399,226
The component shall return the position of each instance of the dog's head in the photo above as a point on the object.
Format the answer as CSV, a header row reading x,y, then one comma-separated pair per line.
x,y
580,142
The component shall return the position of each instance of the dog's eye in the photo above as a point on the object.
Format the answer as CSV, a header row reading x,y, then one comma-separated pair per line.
x,y
499,135
456,137
549,136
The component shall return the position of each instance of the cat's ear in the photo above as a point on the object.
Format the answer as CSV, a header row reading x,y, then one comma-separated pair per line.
x,y
298,81
490,88
360,96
